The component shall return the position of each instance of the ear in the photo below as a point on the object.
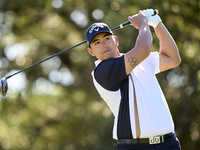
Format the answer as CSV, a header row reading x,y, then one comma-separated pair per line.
x,y
90,51
116,40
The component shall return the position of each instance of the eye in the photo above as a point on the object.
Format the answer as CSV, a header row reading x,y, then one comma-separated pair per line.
x,y
107,38
96,43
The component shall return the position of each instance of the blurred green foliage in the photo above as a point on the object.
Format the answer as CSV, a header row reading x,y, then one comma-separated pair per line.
x,y
54,105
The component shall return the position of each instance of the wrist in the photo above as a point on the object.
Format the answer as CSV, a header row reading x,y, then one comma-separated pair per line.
x,y
158,25
143,24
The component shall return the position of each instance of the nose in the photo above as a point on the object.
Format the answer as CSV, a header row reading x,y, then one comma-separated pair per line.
x,y
104,44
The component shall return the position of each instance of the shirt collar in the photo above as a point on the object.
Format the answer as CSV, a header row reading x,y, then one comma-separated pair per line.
x,y
97,62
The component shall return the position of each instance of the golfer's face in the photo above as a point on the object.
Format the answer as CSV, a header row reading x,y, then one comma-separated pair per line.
x,y
104,46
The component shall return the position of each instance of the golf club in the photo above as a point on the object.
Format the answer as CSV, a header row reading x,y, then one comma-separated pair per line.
x,y
3,81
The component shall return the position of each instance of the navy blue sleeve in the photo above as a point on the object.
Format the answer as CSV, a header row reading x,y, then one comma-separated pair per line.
x,y
111,73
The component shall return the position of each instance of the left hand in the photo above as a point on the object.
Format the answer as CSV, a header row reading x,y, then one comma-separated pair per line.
x,y
152,20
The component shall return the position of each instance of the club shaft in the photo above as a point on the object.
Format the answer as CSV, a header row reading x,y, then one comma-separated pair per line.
x,y
46,59
118,27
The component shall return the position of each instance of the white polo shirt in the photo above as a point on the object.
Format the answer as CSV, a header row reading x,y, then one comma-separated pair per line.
x,y
116,89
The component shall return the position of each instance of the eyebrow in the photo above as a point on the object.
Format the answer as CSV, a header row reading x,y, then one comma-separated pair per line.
x,y
108,34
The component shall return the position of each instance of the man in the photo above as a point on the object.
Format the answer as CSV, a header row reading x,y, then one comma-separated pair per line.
x,y
128,84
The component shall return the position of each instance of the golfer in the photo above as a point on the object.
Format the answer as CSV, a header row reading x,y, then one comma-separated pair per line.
x,y
127,83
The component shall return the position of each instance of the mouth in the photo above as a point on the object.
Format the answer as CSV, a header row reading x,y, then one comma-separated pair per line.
x,y
106,51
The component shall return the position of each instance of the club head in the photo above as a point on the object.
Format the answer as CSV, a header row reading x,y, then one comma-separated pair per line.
x,y
3,87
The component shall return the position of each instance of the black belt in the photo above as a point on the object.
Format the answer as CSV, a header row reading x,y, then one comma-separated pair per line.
x,y
151,140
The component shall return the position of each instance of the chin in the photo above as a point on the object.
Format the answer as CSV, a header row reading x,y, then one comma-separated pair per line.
x,y
109,57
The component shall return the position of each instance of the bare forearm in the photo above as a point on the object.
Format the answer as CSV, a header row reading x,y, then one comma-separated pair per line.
x,y
144,39
141,50
169,54
167,43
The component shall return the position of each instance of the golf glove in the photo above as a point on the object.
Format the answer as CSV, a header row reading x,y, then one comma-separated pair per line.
x,y
152,20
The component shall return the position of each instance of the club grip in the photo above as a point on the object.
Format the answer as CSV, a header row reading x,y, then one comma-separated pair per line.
x,y
128,22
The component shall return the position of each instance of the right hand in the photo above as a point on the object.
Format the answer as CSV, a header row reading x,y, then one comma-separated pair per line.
x,y
138,19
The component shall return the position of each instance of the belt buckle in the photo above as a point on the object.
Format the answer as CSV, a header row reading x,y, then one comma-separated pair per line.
x,y
154,140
